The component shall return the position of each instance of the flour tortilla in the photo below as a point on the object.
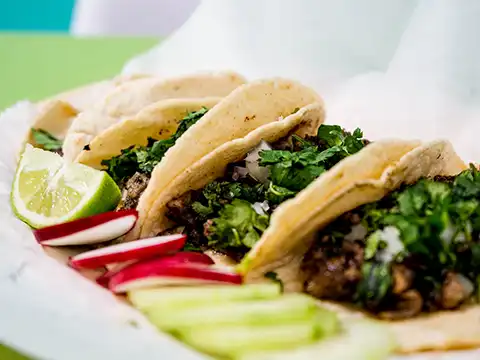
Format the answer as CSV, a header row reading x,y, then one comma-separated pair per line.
x,y
159,121
130,97
360,179
265,103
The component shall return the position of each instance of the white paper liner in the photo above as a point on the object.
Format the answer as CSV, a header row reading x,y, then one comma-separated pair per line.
x,y
48,310
397,68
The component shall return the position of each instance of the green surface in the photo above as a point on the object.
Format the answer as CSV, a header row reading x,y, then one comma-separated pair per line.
x,y
9,354
37,66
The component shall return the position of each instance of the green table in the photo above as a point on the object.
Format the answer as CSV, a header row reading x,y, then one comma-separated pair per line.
x,y
37,66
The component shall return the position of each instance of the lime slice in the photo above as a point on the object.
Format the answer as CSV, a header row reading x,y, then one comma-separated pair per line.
x,y
47,190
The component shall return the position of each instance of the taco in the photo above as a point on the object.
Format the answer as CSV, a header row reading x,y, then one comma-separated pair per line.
x,y
159,121
130,97
145,153
224,201
51,118
400,244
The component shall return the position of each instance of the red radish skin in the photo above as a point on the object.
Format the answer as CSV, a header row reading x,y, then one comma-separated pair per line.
x,y
135,250
90,230
143,275
178,258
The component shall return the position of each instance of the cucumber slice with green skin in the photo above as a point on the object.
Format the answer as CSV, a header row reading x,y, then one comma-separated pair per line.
x,y
359,340
177,298
284,310
233,341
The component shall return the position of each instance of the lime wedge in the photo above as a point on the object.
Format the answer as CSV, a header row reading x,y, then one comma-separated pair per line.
x,y
47,190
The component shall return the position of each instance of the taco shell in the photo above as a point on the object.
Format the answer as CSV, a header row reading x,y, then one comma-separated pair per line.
x,y
54,116
363,178
129,98
259,103
159,121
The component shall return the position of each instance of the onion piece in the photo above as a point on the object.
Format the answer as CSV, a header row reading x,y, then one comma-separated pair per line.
x,y
261,208
391,235
239,172
259,173
467,285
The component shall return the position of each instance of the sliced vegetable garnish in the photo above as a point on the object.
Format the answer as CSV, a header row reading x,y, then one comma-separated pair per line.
x,y
183,257
140,276
183,297
284,310
135,250
91,230
358,340
48,191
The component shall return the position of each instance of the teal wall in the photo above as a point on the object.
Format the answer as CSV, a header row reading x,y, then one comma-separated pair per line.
x,y
35,15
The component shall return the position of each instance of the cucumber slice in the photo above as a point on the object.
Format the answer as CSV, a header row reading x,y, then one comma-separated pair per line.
x,y
287,309
174,298
360,340
232,341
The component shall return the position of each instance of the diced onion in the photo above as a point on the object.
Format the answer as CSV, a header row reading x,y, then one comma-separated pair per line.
x,y
256,171
466,284
357,232
239,172
261,208
391,235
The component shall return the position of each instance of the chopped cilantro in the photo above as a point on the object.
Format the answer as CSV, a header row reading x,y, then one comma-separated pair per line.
x,y
439,225
238,225
375,284
216,194
144,158
272,275
46,140
296,170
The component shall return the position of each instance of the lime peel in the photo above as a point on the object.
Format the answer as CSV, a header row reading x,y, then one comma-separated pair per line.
x,y
47,190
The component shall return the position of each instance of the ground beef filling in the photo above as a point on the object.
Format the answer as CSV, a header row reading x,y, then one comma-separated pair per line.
x,y
332,270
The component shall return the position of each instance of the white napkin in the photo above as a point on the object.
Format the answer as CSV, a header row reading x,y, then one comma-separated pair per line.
x,y
407,68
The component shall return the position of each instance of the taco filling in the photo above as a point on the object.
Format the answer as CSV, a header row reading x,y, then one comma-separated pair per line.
x,y
46,141
131,170
230,214
415,251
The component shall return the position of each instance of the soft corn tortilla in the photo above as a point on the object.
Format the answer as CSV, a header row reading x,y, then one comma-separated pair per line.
x,y
159,121
304,122
360,179
54,116
257,105
130,97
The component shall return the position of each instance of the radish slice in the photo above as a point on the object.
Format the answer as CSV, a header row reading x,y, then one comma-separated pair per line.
x,y
135,250
145,275
178,258
91,230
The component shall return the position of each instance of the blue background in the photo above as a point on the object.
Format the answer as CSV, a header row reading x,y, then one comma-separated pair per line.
x,y
35,15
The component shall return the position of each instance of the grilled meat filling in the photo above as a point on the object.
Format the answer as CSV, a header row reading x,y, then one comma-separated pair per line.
x,y
132,189
417,250
230,214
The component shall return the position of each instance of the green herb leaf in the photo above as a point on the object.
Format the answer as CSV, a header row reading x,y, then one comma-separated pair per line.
x,y
296,170
375,284
277,194
46,140
238,225
272,275
145,158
